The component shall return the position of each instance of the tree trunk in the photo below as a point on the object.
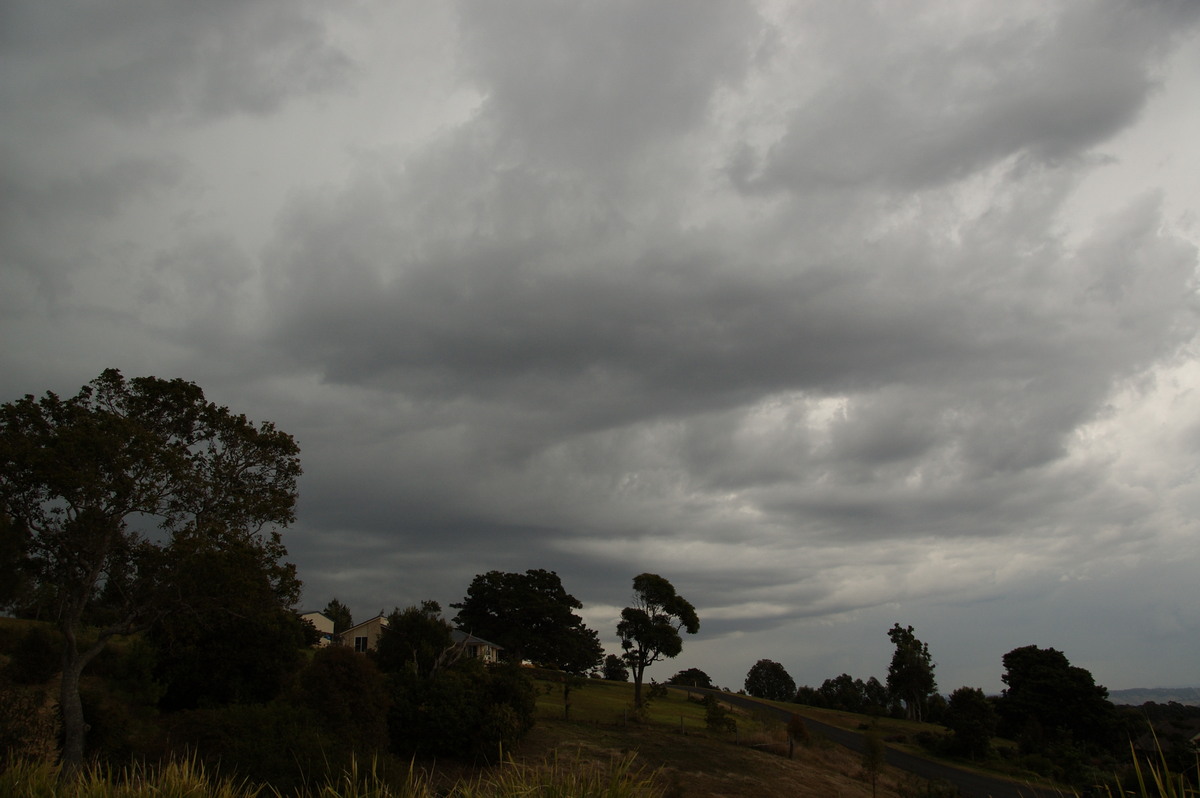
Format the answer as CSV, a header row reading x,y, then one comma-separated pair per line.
x,y
71,706
75,726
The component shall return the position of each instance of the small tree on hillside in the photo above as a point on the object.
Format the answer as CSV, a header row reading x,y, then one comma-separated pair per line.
x,y
972,719
615,669
649,630
692,677
874,754
768,679
797,732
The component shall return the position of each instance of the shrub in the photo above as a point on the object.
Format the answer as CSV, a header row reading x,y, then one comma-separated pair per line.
x,y
716,717
28,725
348,694
466,711
37,656
278,743
797,730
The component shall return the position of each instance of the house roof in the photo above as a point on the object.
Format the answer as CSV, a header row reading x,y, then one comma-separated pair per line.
x,y
315,612
381,618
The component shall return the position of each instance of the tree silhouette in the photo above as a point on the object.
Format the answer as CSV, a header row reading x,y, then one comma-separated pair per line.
x,y
910,676
649,630
115,487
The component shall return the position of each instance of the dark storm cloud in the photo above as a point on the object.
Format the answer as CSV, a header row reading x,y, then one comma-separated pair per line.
x,y
914,108
46,224
573,367
582,85
135,60
806,307
617,343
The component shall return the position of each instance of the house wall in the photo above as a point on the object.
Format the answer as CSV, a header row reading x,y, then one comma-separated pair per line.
x,y
323,624
364,636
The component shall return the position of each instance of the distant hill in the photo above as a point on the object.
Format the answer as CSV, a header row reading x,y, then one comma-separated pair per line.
x,y
1159,695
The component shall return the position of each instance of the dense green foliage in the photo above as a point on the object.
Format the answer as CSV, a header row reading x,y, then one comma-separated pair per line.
x,y
416,639
531,616
37,657
86,480
349,695
845,693
1048,701
768,679
440,702
237,640
278,743
463,711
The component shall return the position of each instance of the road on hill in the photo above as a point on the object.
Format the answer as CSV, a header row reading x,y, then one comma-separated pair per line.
x,y
969,783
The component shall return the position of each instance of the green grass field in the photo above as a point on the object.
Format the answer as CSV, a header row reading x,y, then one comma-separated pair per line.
x,y
599,701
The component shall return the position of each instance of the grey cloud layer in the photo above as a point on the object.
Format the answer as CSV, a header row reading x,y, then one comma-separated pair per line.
x,y
134,61
785,302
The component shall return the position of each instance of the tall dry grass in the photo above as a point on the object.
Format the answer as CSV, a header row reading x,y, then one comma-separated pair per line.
x,y
555,778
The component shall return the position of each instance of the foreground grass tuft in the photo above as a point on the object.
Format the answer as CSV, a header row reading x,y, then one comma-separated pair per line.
x,y
557,778
1157,780
184,778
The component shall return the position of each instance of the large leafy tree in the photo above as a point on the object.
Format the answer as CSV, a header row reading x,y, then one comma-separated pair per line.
x,y
114,488
531,616
910,676
769,679
649,629
1046,692
13,542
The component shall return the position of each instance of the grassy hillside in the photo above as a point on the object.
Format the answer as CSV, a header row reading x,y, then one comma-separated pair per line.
x,y
692,761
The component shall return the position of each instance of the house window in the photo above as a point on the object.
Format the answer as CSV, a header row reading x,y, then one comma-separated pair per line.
x,y
360,644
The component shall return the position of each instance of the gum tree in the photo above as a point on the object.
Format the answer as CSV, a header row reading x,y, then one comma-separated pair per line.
x,y
649,630
115,489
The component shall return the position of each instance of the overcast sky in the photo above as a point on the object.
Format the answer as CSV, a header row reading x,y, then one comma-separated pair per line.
x,y
833,314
